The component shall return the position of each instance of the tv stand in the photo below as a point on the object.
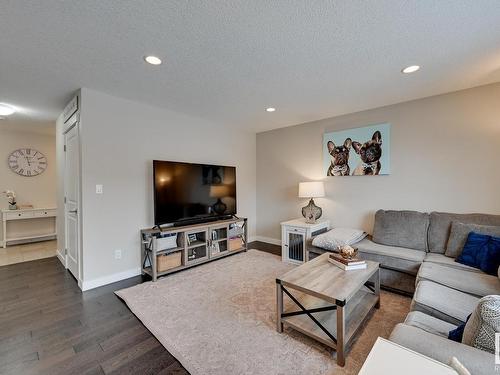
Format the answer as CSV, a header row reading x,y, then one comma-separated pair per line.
x,y
172,249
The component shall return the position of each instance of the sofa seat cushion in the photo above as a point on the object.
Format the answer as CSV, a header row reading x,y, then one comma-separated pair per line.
x,y
393,257
442,302
401,228
440,227
429,323
478,362
449,262
476,283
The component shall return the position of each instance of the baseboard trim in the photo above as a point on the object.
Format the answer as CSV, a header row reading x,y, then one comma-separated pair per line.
x,y
113,278
61,257
270,240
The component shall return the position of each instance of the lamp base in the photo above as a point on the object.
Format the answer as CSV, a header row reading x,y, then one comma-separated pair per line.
x,y
311,212
219,207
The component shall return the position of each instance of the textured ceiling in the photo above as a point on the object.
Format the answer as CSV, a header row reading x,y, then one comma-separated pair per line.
x,y
227,61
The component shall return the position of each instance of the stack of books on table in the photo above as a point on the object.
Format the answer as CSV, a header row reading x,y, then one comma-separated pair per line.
x,y
347,264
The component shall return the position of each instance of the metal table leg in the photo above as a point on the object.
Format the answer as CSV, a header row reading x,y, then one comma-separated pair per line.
x,y
377,288
279,306
340,334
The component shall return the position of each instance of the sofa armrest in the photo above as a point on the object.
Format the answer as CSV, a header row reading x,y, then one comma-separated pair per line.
x,y
441,349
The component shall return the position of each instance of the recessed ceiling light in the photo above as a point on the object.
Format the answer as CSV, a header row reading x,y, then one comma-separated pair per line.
x,y
153,60
270,109
410,69
6,110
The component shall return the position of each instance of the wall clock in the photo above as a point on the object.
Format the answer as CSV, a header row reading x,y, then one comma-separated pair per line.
x,y
27,162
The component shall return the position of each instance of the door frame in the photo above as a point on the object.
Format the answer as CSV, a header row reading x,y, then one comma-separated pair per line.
x,y
75,122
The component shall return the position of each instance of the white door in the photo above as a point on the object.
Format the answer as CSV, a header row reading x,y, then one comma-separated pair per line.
x,y
72,199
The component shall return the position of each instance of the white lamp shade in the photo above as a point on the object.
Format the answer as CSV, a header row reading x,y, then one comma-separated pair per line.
x,y
314,189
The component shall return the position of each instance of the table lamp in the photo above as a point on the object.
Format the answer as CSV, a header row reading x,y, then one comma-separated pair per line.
x,y
314,189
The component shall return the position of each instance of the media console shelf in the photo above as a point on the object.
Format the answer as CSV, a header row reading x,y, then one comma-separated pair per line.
x,y
173,249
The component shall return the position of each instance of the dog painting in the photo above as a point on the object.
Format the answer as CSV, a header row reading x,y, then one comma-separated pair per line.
x,y
340,156
357,152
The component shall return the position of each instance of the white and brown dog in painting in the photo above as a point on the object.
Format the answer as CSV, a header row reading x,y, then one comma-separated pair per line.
x,y
370,153
339,165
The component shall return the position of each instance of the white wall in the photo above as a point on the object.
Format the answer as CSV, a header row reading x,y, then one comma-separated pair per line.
x,y
119,139
39,191
445,152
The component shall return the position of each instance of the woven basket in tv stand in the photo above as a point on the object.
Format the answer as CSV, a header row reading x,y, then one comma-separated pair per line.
x,y
193,245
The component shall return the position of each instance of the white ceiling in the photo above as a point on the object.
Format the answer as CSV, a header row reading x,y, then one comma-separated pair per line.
x,y
227,61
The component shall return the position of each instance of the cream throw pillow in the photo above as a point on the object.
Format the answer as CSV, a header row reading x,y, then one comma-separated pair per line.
x,y
336,237
484,321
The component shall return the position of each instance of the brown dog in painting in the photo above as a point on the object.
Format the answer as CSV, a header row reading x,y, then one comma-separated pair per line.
x,y
340,156
370,153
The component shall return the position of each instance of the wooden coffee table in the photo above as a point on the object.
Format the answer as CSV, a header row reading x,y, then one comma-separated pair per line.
x,y
332,303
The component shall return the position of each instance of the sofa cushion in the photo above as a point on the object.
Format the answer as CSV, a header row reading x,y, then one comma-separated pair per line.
x,y
429,323
476,283
481,251
393,257
478,362
440,226
442,302
337,237
401,228
480,330
447,261
459,233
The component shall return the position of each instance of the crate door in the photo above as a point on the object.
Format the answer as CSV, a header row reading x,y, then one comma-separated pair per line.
x,y
295,244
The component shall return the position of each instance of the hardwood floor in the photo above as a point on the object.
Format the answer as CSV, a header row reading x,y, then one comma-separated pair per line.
x,y
48,326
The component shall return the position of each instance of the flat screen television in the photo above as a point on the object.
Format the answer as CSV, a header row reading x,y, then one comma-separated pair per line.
x,y
192,192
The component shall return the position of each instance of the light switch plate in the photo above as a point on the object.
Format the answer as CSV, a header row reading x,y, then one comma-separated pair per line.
x,y
98,189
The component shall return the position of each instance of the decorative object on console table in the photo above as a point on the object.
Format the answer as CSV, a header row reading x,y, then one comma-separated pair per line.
x,y
294,234
314,189
11,199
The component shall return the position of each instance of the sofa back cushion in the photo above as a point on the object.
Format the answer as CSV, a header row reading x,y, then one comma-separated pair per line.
x,y
401,228
459,233
440,226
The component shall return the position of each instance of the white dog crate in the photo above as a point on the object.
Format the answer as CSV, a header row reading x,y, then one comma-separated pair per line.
x,y
294,234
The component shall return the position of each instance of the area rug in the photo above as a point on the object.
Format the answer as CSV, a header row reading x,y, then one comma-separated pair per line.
x,y
219,318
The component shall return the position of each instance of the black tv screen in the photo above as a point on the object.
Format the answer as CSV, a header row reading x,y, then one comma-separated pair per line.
x,y
186,191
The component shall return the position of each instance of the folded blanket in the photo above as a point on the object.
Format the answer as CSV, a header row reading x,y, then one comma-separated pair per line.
x,y
336,237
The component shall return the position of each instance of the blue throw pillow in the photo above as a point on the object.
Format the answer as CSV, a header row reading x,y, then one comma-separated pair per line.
x,y
481,251
457,333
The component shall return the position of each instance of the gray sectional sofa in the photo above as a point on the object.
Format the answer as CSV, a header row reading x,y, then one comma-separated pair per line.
x,y
410,247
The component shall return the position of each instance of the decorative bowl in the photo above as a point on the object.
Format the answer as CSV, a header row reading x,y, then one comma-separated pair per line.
x,y
348,252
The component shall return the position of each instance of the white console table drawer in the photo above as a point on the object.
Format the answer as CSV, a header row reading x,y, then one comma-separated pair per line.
x,y
18,215
44,213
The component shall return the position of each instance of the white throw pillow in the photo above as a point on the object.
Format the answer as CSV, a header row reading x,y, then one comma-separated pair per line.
x,y
336,237
484,321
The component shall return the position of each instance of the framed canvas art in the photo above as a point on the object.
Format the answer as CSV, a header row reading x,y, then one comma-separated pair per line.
x,y
357,152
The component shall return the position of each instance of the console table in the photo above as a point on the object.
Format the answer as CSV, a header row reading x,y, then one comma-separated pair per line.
x,y
172,249
27,214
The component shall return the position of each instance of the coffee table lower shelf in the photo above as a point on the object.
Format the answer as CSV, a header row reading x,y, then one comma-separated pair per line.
x,y
356,312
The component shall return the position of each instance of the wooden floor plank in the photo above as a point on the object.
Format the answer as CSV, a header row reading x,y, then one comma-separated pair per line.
x,y
48,326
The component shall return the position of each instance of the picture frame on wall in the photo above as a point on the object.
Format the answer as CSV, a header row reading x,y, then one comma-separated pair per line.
x,y
363,151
